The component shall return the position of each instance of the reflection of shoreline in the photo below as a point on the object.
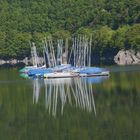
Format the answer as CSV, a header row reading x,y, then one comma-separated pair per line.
x,y
77,92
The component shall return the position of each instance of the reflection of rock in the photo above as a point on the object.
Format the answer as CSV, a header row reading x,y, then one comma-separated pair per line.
x,y
125,57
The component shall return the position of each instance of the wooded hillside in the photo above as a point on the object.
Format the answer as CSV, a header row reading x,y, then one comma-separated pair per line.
x,y
114,24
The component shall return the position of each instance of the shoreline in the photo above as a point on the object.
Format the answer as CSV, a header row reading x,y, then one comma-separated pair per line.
x,y
12,62
123,57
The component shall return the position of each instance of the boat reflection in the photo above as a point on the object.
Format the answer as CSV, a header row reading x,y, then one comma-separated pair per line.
x,y
77,92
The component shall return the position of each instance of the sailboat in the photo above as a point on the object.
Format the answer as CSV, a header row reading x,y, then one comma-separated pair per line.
x,y
80,59
35,61
61,64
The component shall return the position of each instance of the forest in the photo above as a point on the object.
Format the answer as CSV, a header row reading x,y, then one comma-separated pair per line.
x,y
113,24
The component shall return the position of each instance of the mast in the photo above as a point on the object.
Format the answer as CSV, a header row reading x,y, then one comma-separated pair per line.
x,y
34,55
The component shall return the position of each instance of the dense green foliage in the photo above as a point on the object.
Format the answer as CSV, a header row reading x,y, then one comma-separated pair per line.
x,y
114,24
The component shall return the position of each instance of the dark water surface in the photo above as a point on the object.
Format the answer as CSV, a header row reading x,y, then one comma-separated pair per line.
x,y
105,108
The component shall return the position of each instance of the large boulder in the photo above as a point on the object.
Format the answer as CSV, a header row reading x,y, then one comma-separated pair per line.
x,y
125,57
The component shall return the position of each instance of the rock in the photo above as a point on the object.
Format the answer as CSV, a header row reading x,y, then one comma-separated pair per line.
x,y
2,62
127,57
25,60
138,55
13,61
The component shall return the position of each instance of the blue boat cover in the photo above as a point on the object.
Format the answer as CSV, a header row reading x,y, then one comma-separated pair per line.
x,y
39,71
91,70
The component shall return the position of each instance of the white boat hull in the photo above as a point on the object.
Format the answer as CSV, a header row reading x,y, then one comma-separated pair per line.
x,y
72,75
60,75
106,73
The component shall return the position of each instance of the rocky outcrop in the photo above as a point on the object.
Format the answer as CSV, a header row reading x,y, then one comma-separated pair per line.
x,y
11,61
127,57
2,62
26,61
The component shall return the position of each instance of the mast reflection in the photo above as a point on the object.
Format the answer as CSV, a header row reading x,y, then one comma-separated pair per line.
x,y
76,92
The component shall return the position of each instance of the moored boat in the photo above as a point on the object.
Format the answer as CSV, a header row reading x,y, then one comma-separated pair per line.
x,y
61,75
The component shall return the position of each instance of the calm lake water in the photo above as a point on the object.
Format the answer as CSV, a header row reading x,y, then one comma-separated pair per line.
x,y
104,108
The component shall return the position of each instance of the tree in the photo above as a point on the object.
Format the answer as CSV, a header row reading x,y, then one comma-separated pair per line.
x,y
107,20
103,37
133,37
84,31
21,45
61,34
2,44
119,38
